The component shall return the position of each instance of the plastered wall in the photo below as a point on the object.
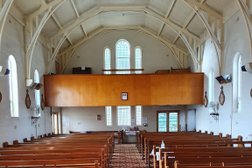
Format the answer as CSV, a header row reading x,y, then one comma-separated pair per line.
x,y
12,128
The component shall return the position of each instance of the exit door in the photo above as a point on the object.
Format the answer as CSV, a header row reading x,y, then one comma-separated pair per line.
x,y
167,121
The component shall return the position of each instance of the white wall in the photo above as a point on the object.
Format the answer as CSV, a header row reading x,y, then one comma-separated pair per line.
x,y
84,119
155,54
22,126
236,40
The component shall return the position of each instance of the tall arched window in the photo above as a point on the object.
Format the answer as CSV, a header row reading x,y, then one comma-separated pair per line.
x,y
107,66
138,59
107,60
13,87
211,85
122,56
237,83
37,92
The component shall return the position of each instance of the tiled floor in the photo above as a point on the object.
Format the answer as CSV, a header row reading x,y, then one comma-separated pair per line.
x,y
126,156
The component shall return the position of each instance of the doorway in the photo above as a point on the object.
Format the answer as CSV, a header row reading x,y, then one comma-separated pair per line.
x,y
167,121
56,123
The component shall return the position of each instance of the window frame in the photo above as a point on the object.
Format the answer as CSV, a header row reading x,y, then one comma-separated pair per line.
x,y
109,121
140,59
104,60
237,82
117,57
37,98
211,89
139,120
129,116
13,86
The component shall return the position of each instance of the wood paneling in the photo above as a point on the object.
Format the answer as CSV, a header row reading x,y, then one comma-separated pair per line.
x,y
143,89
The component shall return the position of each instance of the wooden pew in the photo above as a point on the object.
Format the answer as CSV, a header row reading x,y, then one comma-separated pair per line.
x,y
79,150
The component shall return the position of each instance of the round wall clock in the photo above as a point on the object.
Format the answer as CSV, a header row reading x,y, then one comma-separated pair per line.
x,y
222,96
205,99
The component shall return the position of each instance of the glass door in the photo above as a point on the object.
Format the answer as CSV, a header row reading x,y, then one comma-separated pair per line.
x,y
173,121
162,122
167,121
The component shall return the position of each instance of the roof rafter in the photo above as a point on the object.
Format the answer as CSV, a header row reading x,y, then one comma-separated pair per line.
x,y
215,34
96,10
34,36
210,11
43,8
60,27
175,27
189,20
78,15
4,11
167,15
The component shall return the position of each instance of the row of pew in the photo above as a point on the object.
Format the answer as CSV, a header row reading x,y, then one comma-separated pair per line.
x,y
73,150
194,150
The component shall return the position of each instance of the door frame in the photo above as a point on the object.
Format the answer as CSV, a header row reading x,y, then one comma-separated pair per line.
x,y
55,115
167,124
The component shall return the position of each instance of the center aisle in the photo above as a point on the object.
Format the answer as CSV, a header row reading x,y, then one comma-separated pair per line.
x,y
126,156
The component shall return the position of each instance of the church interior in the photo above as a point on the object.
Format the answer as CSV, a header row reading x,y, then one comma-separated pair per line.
x,y
126,83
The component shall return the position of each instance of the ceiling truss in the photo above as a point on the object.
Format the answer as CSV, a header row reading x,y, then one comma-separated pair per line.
x,y
212,25
146,11
243,5
4,11
39,24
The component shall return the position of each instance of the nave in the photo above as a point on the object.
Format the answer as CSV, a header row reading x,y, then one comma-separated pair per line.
x,y
153,150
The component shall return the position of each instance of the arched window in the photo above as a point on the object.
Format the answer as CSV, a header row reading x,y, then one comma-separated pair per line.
x,y
13,87
107,60
37,92
211,85
237,83
107,66
138,59
122,56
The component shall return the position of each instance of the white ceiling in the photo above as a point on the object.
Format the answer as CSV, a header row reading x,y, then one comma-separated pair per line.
x,y
119,13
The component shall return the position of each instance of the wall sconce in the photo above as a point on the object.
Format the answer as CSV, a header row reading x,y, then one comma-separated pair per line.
x,y
7,71
36,86
247,67
224,79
